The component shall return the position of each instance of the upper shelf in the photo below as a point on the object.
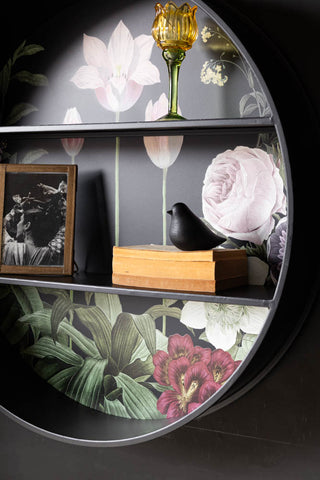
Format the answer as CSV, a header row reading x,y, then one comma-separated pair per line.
x,y
139,128
245,295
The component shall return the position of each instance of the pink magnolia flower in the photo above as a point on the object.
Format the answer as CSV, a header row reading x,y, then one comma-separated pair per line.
x,y
191,384
117,72
72,146
241,192
222,365
162,151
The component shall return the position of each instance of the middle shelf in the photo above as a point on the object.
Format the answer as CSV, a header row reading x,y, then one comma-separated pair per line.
x,y
254,295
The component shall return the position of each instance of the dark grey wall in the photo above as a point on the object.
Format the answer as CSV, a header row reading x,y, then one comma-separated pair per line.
x,y
273,431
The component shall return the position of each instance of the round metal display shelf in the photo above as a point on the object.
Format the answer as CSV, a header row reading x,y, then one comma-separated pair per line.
x,y
66,414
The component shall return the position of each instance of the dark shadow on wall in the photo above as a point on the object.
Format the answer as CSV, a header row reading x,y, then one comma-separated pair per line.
x,y
93,250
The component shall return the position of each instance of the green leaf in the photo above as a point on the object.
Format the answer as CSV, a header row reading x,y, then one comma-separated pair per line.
x,y
48,367
18,52
42,321
85,387
23,300
46,347
60,309
156,386
86,345
239,352
140,368
109,384
88,296
39,320
34,155
147,328
19,111
109,304
61,379
24,49
34,79
158,311
142,351
124,338
116,393
5,79
138,400
114,407
33,297
98,324
249,109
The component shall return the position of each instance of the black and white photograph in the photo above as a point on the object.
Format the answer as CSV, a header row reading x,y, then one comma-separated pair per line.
x,y
37,231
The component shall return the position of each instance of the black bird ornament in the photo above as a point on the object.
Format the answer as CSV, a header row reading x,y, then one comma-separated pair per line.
x,y
189,232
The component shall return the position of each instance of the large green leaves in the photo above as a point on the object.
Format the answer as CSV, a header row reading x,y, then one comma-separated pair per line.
x,y
85,386
125,338
114,407
93,352
28,298
139,401
110,305
42,321
46,347
99,326
21,109
60,308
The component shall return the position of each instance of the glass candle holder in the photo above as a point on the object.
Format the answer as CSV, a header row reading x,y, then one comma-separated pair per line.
x,y
174,30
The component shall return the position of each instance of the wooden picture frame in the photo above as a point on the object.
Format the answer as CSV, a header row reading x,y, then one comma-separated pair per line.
x,y
37,214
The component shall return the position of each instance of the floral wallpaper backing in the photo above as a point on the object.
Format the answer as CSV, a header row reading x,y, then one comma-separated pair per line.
x,y
168,359
124,363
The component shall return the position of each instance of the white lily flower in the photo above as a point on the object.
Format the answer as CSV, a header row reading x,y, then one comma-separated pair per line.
x,y
118,72
223,322
162,151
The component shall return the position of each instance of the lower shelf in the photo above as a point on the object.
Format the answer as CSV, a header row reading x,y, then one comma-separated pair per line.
x,y
245,295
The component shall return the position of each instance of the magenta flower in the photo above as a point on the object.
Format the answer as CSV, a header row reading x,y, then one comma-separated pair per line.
x,y
178,347
191,384
117,72
222,365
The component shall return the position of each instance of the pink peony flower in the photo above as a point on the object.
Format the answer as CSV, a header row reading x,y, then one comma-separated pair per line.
x,y
117,72
188,381
242,190
162,151
222,365
72,146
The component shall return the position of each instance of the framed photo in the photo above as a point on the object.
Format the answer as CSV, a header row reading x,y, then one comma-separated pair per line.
x,y
37,212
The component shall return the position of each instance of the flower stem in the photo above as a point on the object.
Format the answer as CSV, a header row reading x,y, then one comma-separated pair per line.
x,y
164,323
71,293
164,229
164,206
117,186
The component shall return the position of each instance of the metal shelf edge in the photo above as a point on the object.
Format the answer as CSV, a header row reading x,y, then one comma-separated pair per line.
x,y
248,295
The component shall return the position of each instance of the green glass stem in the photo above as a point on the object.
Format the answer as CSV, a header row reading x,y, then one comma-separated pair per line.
x,y
173,58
